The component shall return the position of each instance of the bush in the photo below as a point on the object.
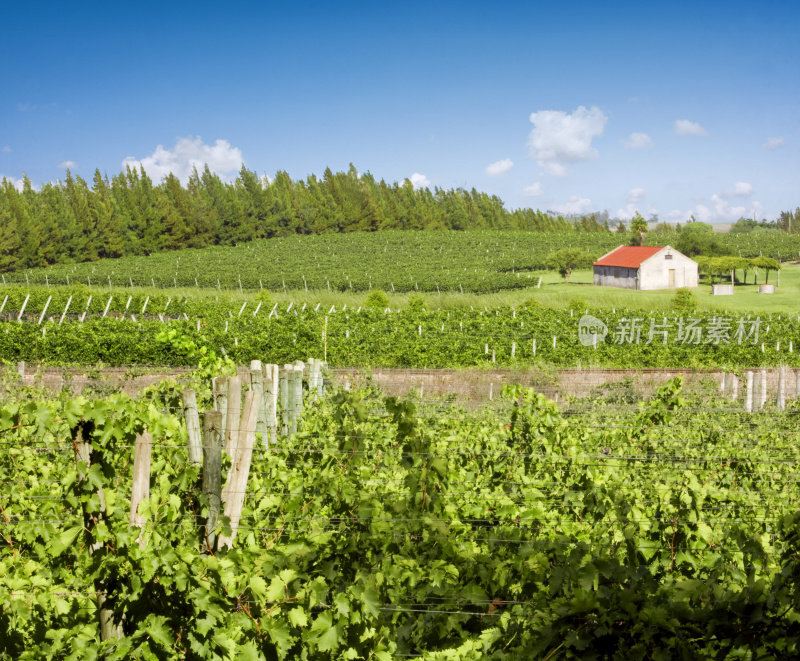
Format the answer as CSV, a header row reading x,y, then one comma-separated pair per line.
x,y
578,304
684,300
377,299
416,302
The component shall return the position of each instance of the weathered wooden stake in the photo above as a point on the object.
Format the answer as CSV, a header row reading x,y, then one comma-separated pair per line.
x,y
232,419
192,426
283,392
763,389
236,485
781,388
219,393
749,396
140,491
212,471
257,386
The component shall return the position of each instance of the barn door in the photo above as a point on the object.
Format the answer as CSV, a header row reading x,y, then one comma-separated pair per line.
x,y
671,276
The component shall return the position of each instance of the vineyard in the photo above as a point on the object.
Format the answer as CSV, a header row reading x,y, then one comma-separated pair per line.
x,y
53,326
385,529
401,261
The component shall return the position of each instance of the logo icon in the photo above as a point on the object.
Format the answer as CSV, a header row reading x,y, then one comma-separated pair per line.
x,y
591,331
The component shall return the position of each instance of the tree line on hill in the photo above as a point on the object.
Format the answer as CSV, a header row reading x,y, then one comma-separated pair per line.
x,y
129,214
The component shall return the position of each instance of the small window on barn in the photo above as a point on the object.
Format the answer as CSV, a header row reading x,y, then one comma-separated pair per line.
x,y
668,256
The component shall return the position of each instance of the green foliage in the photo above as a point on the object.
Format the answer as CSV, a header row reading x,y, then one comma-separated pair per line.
x,y
665,532
414,336
684,300
377,299
416,304
566,260
71,221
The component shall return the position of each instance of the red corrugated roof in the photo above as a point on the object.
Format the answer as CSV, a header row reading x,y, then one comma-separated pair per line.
x,y
628,256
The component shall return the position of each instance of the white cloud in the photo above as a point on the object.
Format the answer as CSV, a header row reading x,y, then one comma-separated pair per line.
x,y
533,190
499,167
188,153
558,138
68,165
574,206
639,141
720,210
740,189
685,127
16,183
419,180
635,195
773,143
7,149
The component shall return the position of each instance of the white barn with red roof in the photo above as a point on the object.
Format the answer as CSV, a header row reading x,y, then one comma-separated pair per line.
x,y
645,267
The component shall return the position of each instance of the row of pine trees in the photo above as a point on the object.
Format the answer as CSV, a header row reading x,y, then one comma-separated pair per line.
x,y
71,221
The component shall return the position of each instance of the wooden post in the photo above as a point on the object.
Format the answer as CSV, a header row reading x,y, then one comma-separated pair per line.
x,y
219,391
257,386
283,391
141,480
22,309
781,388
235,487
300,369
763,389
232,419
734,387
105,613
212,471
192,426
271,400
749,396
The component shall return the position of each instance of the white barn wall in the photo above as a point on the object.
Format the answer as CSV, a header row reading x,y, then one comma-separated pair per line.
x,y
654,271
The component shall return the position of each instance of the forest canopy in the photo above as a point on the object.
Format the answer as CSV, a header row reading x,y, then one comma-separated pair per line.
x,y
72,221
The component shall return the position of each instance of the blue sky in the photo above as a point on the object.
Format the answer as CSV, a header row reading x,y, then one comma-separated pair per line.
x,y
672,108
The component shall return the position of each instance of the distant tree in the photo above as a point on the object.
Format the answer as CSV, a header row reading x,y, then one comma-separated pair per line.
x,y
639,229
698,239
566,260
789,221
621,227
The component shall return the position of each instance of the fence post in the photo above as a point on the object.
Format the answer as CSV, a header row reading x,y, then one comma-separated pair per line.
x,y
734,387
257,386
233,417
236,484
219,390
763,389
271,400
781,388
212,470
749,396
192,417
283,391
140,490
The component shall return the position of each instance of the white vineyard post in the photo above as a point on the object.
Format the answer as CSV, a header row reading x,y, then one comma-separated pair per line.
x,y
734,387
749,390
64,314
781,388
22,309
44,310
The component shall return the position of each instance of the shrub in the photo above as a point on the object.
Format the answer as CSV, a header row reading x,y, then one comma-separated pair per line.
x,y
377,299
416,302
684,300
